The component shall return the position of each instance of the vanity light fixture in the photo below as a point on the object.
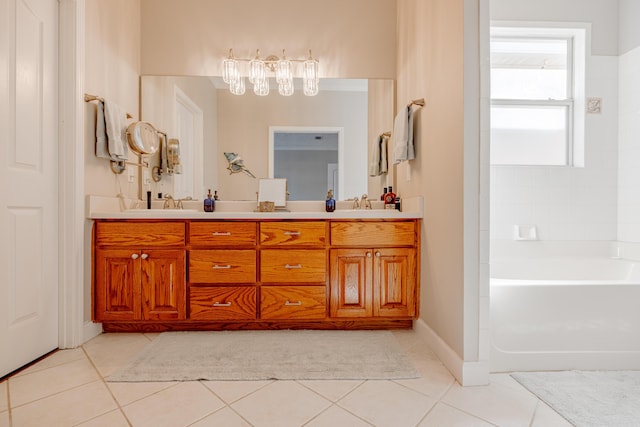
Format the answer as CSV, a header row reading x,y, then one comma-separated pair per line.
x,y
259,68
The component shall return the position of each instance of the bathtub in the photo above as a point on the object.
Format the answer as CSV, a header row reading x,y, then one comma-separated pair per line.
x,y
564,313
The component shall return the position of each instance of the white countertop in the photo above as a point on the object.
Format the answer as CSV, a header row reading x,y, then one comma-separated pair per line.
x,y
99,207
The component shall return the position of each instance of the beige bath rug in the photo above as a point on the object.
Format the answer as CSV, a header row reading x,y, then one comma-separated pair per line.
x,y
261,355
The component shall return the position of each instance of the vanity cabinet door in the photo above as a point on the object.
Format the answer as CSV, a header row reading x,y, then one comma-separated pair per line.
x,y
117,285
134,284
394,282
373,283
163,284
351,283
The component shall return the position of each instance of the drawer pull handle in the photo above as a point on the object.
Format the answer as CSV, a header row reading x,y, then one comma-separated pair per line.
x,y
222,233
221,267
221,304
289,303
292,233
288,266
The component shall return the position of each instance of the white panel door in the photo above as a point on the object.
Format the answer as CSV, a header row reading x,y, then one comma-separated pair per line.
x,y
190,130
28,181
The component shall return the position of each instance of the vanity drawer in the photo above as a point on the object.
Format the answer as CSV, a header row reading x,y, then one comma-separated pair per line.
x,y
139,233
293,302
222,266
222,303
295,233
293,265
388,233
222,233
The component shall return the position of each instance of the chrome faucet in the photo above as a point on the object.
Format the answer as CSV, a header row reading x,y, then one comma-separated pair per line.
x,y
169,203
365,203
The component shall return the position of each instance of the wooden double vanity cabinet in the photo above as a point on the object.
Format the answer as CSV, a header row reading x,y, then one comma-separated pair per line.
x,y
184,274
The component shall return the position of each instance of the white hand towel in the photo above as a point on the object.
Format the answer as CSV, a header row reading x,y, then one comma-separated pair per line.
x,y
116,124
403,135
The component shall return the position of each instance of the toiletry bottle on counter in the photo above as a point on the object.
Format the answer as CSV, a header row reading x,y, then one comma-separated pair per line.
x,y
384,193
390,199
215,194
209,203
330,204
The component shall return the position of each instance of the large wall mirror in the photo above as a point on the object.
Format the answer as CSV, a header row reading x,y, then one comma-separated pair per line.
x,y
317,143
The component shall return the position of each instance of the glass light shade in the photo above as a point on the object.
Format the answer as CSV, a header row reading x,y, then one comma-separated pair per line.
x,y
230,71
310,70
286,88
237,87
257,70
283,71
310,87
261,88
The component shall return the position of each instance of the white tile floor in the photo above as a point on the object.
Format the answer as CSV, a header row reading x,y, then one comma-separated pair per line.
x,y
68,389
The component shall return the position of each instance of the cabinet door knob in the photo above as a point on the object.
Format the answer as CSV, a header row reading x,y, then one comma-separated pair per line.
x,y
368,254
134,256
221,304
377,254
144,256
289,303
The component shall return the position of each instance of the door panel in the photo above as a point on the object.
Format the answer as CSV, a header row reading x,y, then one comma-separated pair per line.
x,y
394,272
28,181
163,285
351,293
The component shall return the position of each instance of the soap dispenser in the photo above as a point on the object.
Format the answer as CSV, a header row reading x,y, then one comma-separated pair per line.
x,y
330,204
209,203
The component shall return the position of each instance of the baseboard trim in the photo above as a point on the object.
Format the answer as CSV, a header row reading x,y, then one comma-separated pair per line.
x,y
467,373
90,330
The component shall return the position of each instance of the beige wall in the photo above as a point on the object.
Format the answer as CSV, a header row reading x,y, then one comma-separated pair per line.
x,y
430,65
112,67
352,39
381,111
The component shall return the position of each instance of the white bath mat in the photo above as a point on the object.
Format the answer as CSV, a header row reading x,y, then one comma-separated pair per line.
x,y
261,355
588,398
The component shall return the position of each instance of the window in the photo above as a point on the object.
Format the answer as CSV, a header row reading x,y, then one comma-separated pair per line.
x,y
536,80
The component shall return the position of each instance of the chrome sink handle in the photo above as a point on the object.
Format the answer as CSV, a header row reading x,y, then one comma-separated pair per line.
x,y
365,203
